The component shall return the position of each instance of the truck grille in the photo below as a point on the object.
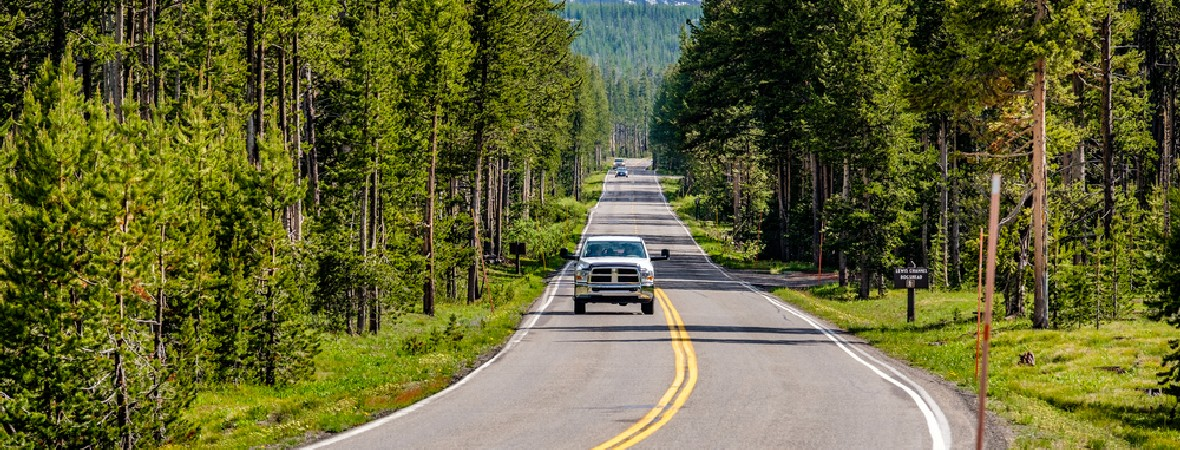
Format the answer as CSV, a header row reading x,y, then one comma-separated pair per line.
x,y
614,275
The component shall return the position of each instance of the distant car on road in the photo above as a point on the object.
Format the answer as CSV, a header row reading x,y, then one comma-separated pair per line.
x,y
619,162
614,269
621,172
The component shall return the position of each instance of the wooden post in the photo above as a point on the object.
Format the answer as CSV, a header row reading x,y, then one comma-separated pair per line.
x,y
993,229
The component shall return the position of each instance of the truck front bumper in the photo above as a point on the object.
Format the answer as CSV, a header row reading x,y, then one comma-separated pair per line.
x,y
614,293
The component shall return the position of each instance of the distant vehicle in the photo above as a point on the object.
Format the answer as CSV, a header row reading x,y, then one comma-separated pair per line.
x,y
614,269
621,172
619,162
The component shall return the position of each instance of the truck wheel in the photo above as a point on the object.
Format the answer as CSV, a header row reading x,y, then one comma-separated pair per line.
x,y
579,307
648,308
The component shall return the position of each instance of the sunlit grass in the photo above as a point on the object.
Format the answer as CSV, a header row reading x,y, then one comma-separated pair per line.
x,y
1086,389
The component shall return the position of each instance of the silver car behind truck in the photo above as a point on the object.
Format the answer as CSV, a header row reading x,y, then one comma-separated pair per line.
x,y
614,269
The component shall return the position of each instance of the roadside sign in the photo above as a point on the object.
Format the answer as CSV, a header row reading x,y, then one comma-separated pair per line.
x,y
911,277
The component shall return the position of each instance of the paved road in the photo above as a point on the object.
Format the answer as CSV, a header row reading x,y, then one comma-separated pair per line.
x,y
719,365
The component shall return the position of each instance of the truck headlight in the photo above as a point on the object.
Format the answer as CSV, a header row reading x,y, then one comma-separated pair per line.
x,y
647,275
580,272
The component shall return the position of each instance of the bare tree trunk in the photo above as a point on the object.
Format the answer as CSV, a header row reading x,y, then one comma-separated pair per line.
x,y
735,170
296,130
1108,155
504,203
525,188
1040,317
956,236
1107,134
1075,162
159,354
362,240
313,161
1166,156
476,219
815,208
113,72
846,191
260,84
944,199
428,288
780,196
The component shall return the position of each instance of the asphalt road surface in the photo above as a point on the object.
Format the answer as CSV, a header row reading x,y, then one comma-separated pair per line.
x,y
720,364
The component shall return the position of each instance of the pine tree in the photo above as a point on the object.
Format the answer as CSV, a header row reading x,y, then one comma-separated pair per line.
x,y
54,376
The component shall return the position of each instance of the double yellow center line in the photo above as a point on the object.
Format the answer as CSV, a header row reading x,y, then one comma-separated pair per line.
x,y
682,385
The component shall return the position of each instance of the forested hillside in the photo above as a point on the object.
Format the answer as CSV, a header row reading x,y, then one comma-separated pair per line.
x,y
863,134
633,44
191,192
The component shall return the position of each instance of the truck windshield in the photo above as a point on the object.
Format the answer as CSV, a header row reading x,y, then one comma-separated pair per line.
x,y
615,249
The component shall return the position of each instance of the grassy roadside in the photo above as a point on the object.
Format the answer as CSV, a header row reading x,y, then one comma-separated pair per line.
x,y
1089,388
360,378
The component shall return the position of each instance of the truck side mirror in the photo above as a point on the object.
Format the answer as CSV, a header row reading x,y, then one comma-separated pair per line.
x,y
565,254
662,256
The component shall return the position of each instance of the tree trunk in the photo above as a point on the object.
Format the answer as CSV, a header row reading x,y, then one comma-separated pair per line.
x,y
736,177
846,192
1075,162
476,219
113,73
1015,307
313,160
428,288
866,277
296,138
1107,135
260,83
1166,156
362,240
780,194
944,199
1040,317
503,205
816,208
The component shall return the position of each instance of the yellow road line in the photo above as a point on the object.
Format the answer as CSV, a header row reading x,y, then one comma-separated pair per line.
x,y
682,384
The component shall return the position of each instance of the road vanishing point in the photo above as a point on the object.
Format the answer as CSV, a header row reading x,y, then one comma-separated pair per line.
x,y
721,364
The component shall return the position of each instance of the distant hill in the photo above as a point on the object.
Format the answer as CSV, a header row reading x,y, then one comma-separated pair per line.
x,y
633,43
630,38
650,2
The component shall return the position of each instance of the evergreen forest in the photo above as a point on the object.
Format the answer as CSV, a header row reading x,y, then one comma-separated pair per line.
x,y
859,136
632,44
192,193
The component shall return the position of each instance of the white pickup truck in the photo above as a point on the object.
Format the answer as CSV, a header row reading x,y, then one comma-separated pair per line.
x,y
614,269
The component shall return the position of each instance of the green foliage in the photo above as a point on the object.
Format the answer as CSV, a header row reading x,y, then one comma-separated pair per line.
x,y
442,339
224,182
1167,306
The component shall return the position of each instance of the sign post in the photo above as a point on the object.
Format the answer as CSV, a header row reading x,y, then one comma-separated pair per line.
x,y
911,278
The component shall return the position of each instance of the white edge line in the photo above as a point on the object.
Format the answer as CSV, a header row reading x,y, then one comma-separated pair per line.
x,y
549,294
936,421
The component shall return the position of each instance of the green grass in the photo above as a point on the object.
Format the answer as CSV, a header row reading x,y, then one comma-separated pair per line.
x,y
359,378
1086,389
